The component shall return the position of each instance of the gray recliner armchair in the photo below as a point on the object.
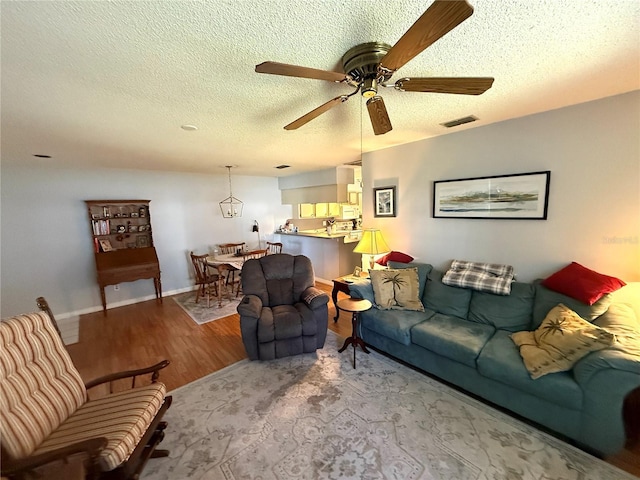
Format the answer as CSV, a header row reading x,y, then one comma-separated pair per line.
x,y
282,312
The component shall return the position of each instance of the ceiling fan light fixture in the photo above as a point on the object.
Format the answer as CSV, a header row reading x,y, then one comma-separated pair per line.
x,y
369,87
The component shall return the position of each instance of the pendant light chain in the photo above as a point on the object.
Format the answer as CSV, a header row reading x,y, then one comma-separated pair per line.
x,y
361,133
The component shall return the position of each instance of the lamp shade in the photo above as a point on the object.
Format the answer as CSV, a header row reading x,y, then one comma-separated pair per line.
x,y
372,243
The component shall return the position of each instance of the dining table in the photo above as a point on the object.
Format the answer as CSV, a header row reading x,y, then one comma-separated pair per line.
x,y
232,260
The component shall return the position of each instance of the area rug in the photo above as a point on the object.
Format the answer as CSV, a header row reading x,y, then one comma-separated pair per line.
x,y
200,313
313,416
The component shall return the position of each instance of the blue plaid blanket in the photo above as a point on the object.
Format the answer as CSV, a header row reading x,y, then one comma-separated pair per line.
x,y
485,277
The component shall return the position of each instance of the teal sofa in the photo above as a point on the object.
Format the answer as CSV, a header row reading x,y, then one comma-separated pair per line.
x,y
463,338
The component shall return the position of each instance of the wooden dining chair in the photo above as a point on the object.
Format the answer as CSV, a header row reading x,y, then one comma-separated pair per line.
x,y
228,273
228,248
255,254
274,247
206,281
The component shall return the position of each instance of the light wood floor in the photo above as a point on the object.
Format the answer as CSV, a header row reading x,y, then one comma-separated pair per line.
x,y
145,333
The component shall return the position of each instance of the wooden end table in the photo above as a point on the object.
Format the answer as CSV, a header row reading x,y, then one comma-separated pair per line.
x,y
341,284
355,306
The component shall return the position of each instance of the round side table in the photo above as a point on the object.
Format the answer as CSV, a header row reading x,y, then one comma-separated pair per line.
x,y
355,306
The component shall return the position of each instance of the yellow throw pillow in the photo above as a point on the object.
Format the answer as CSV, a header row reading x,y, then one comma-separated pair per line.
x,y
560,341
396,289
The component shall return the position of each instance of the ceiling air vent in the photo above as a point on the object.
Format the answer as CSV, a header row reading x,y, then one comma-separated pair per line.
x,y
459,121
280,167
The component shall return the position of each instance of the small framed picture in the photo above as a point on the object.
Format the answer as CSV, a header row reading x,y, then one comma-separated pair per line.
x,y
357,271
142,241
384,202
105,245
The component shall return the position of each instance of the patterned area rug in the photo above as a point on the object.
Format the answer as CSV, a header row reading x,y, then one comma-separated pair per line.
x,y
200,313
313,416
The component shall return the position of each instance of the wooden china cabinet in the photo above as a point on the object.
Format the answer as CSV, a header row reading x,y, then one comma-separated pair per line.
x,y
123,243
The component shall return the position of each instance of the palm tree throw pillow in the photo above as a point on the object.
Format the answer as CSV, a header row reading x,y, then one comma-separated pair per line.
x,y
396,289
560,341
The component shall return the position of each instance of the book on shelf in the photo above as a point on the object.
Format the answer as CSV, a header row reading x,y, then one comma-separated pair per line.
x,y
101,227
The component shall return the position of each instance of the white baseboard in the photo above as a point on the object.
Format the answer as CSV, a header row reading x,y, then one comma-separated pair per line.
x,y
69,329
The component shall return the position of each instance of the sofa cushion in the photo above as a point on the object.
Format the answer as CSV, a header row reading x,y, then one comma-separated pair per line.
x,y
394,324
507,312
396,289
121,417
547,299
290,321
423,271
561,340
451,337
444,299
582,283
500,360
280,291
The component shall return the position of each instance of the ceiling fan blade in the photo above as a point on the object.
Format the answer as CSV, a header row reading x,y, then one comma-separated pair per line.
x,y
460,85
439,19
378,114
276,68
316,112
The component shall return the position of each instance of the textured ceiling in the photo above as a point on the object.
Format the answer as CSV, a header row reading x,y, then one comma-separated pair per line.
x,y
110,83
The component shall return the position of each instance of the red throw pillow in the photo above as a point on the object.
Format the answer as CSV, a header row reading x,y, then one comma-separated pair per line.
x,y
581,283
394,257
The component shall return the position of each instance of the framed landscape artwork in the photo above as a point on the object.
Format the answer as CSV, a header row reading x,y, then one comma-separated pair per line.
x,y
522,196
384,202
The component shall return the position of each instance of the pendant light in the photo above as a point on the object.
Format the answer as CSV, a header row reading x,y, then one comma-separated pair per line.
x,y
231,207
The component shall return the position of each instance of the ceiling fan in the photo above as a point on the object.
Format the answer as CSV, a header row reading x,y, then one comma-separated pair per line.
x,y
370,65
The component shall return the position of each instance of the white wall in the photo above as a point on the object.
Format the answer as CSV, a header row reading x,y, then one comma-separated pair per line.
x,y
46,237
593,153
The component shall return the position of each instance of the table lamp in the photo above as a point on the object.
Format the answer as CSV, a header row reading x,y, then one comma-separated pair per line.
x,y
372,244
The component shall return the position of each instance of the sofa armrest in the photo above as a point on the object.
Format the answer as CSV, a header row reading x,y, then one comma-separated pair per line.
x,y
609,359
250,306
606,378
314,297
362,288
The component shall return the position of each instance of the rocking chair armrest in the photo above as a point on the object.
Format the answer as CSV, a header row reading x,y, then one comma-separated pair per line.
x,y
154,369
92,447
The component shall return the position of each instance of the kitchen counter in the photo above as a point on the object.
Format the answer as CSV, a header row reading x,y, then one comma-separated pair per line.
x,y
332,255
349,236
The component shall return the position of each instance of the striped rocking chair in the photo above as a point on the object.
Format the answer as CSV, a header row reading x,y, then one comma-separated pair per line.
x,y
50,428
